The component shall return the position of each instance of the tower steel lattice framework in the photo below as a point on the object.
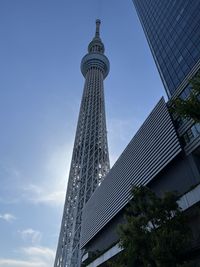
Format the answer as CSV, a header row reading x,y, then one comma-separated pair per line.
x,y
90,159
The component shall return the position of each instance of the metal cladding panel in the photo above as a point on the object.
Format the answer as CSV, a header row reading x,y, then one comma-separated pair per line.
x,y
151,149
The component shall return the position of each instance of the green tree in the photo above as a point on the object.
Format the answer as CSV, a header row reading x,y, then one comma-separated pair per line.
x,y
189,108
155,232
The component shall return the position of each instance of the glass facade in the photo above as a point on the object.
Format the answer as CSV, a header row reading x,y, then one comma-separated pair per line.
x,y
172,28
191,134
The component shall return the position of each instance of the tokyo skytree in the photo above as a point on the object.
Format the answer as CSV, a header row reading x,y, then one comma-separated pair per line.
x,y
90,159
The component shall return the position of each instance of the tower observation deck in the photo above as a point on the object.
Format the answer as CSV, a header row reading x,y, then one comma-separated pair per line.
x,y
90,159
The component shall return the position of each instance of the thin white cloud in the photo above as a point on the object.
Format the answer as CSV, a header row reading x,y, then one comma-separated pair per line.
x,y
21,263
54,198
7,217
31,235
35,256
33,188
39,252
36,194
51,189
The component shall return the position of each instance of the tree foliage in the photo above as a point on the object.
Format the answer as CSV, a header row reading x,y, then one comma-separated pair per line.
x,y
155,232
189,108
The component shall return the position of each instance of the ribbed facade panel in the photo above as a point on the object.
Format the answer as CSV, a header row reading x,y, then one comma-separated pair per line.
x,y
151,149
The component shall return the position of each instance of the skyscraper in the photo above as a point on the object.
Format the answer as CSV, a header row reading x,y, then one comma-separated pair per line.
x,y
172,30
90,159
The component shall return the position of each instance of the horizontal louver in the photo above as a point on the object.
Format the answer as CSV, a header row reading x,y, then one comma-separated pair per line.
x,y
151,149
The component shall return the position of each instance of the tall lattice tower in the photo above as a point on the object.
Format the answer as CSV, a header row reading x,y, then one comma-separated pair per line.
x,y
90,159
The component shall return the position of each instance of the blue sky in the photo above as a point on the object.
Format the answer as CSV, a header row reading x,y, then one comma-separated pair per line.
x,y
42,43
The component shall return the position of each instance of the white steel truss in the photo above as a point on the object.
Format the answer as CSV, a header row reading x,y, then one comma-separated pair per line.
x,y
90,159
